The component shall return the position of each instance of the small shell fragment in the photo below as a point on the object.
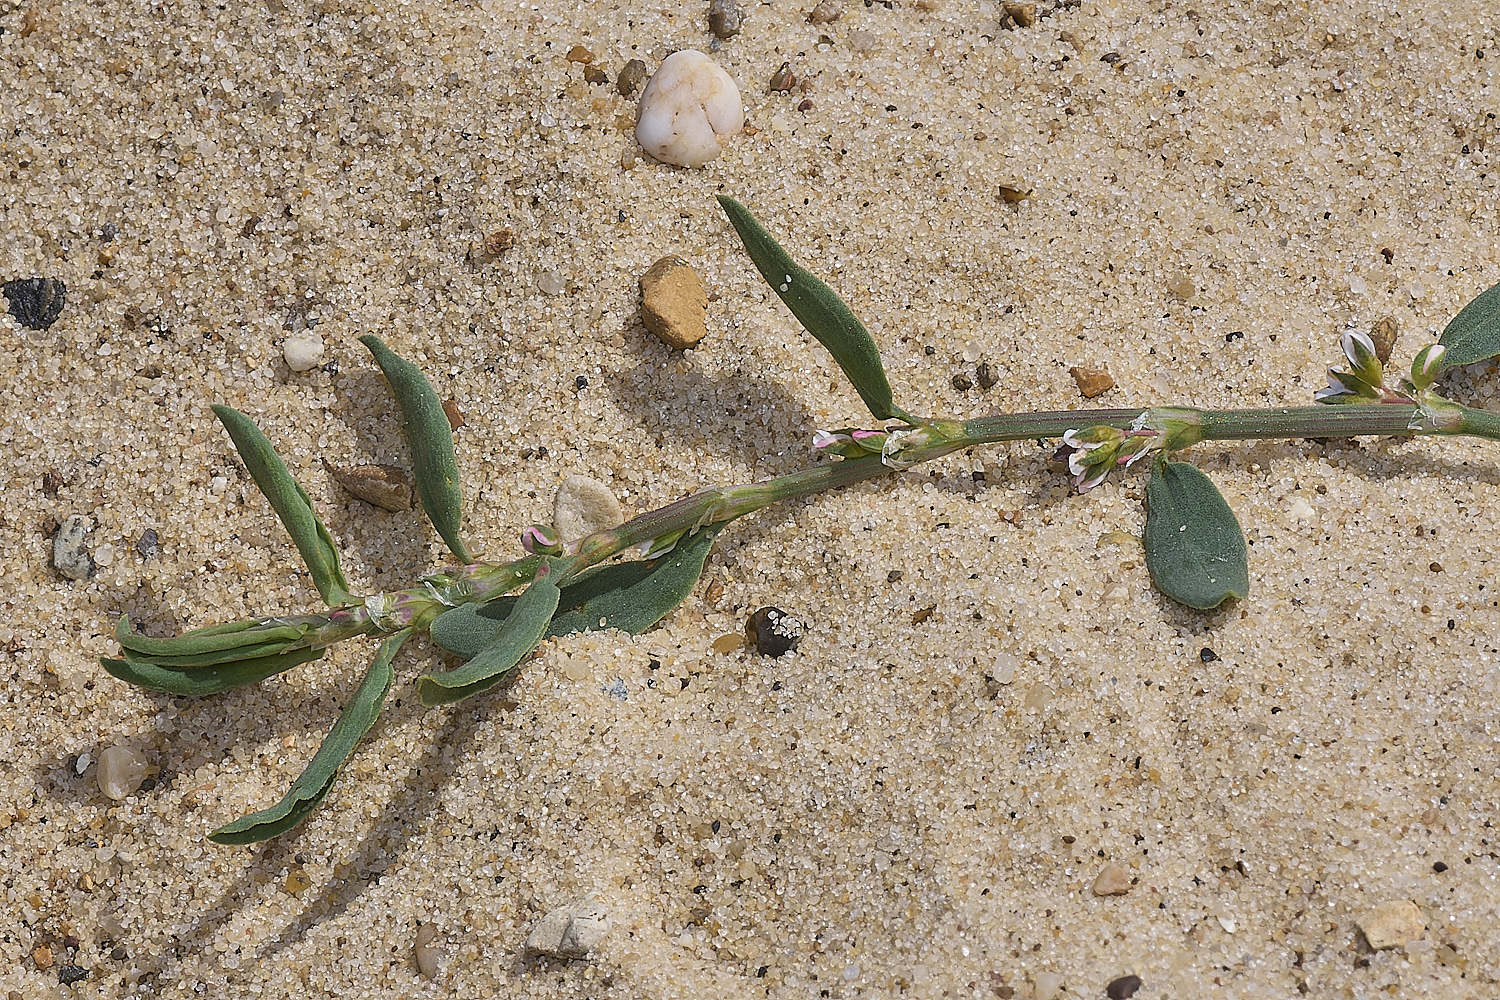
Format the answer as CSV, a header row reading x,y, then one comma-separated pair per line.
x,y
570,931
385,486
584,506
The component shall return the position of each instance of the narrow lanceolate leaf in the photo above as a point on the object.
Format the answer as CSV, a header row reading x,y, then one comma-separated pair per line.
x,y
817,308
430,437
219,644
206,680
291,503
631,596
310,788
1195,550
1474,334
522,629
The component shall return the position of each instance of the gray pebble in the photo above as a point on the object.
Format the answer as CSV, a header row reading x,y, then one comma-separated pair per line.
x,y
36,302
570,931
725,18
70,549
148,545
631,77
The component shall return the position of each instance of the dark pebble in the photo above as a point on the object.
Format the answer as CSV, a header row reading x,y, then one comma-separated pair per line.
x,y
773,632
725,18
962,382
1439,867
108,232
70,974
1111,58
1123,987
148,545
984,375
631,77
36,302
1207,655
893,576
595,76
580,383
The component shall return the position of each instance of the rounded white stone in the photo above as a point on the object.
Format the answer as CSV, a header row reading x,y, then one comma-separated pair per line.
x,y
303,351
689,106
121,771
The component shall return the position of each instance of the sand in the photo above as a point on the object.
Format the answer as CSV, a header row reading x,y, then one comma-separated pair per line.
x,y
919,800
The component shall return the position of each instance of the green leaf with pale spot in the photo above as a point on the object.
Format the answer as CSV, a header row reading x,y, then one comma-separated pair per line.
x,y
1195,550
518,635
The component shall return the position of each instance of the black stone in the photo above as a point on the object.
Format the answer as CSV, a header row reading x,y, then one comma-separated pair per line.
x,y
773,632
148,546
1207,655
1123,987
36,302
70,974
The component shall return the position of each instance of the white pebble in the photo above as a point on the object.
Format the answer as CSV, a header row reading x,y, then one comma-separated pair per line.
x,y
584,506
431,951
687,109
303,351
570,931
121,771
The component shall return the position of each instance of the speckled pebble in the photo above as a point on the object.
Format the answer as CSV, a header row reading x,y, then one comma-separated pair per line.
x,y
148,545
583,506
121,771
570,931
36,303
773,632
1392,924
674,305
725,18
303,351
70,548
631,77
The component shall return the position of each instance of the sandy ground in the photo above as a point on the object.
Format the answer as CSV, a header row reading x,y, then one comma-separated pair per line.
x,y
919,800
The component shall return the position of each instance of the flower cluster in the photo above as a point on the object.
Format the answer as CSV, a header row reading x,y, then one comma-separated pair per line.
x,y
850,443
1364,382
1093,451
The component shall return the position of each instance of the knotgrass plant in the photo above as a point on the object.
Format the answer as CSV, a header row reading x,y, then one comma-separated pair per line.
x,y
1195,549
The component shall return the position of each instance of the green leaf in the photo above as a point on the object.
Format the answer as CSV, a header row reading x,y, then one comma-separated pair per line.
x,y
1195,550
1474,334
206,680
631,596
430,438
313,784
518,635
291,503
218,644
819,309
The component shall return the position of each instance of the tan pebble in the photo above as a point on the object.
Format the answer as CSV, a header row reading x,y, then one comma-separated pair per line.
x,y
430,951
1392,925
575,668
826,12
584,506
728,643
1024,14
570,931
673,303
121,771
1037,698
1384,334
579,54
1112,881
713,593
1181,287
42,956
303,351
1092,381
297,881
385,486
1014,192
454,414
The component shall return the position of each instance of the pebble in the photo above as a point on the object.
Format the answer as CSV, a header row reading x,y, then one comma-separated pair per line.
x,y
1024,14
1112,881
985,376
725,18
385,486
826,12
431,951
1045,985
67,975
687,109
583,506
1392,925
1123,987
552,282
121,771
1383,334
148,545
492,247
1037,698
42,956
773,632
70,548
674,304
962,382
36,302
580,54
1092,381
570,931
303,351
631,77
1182,287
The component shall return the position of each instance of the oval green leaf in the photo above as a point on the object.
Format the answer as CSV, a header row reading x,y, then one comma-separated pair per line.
x,y
518,635
291,504
430,438
313,784
1474,334
819,309
631,596
206,680
1195,550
